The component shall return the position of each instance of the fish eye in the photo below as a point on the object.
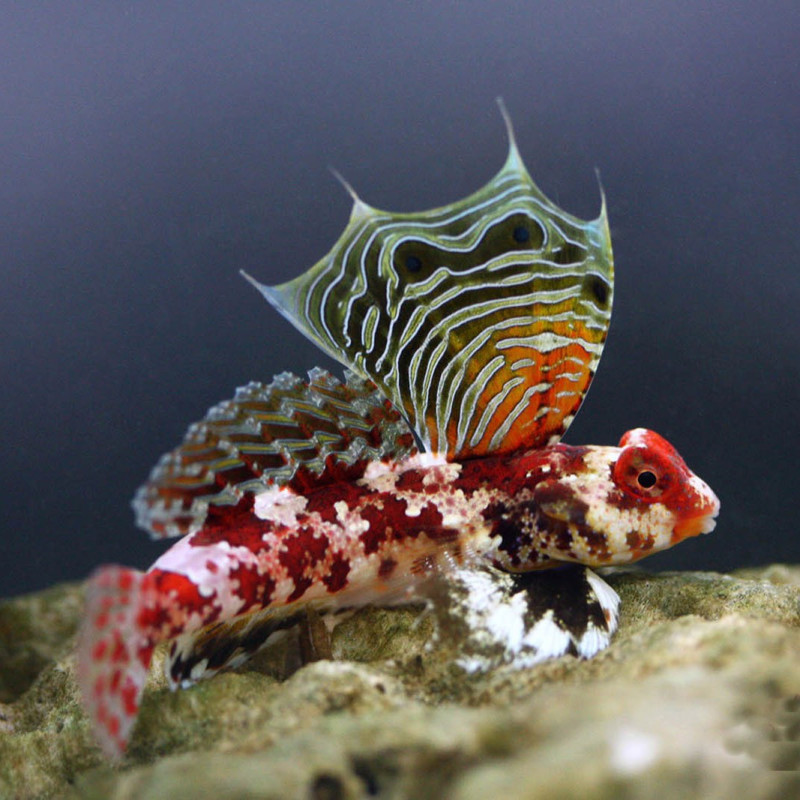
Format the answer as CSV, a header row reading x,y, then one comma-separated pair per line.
x,y
646,479
643,474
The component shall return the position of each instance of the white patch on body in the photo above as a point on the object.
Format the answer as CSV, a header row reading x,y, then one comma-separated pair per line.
x,y
459,511
414,505
353,524
283,589
279,506
655,521
638,437
208,567
381,476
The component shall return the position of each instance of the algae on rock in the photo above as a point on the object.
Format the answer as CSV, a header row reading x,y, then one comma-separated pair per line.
x,y
698,695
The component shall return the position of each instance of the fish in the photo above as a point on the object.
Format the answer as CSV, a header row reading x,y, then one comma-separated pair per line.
x,y
470,335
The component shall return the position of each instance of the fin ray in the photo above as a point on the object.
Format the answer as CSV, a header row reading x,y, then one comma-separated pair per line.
x,y
200,655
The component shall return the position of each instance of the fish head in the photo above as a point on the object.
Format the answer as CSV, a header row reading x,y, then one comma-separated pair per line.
x,y
650,470
615,505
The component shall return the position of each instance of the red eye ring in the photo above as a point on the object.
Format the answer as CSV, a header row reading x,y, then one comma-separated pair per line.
x,y
643,474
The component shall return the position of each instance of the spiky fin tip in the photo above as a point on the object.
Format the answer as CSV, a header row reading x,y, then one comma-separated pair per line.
x,y
360,209
514,162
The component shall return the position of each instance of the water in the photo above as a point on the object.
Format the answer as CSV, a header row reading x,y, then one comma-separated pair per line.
x,y
147,155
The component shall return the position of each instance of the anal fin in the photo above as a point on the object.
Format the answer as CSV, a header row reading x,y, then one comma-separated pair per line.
x,y
226,645
493,618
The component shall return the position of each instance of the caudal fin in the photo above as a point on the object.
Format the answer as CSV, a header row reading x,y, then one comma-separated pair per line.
x,y
113,656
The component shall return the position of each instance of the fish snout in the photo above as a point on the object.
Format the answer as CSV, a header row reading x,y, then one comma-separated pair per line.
x,y
699,513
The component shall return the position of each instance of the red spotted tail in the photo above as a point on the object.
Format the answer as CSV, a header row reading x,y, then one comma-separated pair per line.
x,y
113,655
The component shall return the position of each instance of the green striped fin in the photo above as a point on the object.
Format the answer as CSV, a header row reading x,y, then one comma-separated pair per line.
x,y
483,320
290,432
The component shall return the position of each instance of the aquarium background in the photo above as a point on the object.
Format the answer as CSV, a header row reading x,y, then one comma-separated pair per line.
x,y
150,151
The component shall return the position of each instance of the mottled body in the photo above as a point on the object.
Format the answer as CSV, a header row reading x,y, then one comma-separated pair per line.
x,y
255,567
475,330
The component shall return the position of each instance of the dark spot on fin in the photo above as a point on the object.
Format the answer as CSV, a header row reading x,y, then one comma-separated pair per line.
x,y
598,290
521,234
413,263
227,645
568,595
569,253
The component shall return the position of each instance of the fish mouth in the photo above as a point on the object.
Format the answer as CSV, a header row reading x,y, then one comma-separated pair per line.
x,y
703,521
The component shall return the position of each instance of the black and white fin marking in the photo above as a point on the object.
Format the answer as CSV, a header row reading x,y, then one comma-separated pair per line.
x,y
524,619
226,645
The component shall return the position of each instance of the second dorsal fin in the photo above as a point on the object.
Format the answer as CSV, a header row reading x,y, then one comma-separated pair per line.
x,y
290,432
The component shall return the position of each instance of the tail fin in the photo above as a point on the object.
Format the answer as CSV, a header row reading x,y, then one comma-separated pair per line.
x,y
113,656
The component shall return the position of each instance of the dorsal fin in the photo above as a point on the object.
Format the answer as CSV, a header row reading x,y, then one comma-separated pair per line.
x,y
483,320
291,432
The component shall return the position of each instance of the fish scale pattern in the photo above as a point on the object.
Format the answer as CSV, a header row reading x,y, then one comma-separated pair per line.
x,y
289,432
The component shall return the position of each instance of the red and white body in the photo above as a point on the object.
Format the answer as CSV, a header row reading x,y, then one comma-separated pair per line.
x,y
372,540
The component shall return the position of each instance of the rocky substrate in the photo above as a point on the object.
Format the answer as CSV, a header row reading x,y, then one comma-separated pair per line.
x,y
698,696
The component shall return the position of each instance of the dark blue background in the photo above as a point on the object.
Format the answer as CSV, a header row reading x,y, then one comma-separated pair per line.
x,y
150,151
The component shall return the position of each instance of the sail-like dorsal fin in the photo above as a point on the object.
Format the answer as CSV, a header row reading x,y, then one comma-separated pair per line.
x,y
291,432
483,320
